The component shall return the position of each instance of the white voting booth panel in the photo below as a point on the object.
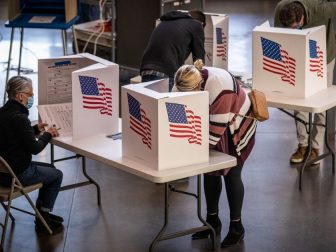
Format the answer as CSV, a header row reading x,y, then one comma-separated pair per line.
x,y
164,130
95,100
216,33
55,76
291,62
216,42
90,84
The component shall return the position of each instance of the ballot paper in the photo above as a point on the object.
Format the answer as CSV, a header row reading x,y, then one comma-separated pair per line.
x,y
58,116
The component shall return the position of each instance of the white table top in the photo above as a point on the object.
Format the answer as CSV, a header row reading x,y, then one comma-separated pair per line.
x,y
316,103
109,151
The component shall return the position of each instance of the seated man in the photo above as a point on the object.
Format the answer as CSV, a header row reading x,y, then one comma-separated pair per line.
x,y
17,144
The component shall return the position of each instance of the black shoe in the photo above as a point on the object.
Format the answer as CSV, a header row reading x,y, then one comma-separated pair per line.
x,y
215,223
49,218
49,215
56,217
235,234
41,229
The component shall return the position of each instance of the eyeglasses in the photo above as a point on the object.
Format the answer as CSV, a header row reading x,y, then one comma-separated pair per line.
x,y
28,93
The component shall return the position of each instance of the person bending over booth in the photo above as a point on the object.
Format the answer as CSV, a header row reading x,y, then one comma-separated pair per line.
x,y
298,14
177,35
232,131
19,140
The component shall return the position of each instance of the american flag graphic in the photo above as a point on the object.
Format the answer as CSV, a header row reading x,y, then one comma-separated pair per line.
x,y
221,40
96,95
139,122
183,123
315,58
277,60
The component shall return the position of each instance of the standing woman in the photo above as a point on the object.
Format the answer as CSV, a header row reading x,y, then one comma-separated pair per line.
x,y
232,131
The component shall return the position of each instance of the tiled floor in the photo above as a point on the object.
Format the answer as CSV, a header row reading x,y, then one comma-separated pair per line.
x,y
276,215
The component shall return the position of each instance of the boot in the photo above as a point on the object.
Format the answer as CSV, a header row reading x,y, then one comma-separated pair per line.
x,y
215,223
55,226
49,215
235,234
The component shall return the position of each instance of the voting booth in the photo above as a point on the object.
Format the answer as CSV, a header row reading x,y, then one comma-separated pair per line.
x,y
30,13
216,42
163,130
90,84
216,33
291,62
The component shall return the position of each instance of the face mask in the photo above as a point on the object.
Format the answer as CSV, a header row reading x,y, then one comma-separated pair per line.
x,y
30,102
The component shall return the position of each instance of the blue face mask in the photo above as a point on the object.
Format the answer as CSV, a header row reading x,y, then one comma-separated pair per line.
x,y
30,102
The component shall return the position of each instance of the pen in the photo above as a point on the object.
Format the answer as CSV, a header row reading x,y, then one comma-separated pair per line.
x,y
58,129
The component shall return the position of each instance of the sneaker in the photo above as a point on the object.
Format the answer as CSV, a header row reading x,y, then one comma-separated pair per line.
x,y
235,235
314,154
299,155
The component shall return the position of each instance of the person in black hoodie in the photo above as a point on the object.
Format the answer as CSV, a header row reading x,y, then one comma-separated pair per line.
x,y
177,35
19,140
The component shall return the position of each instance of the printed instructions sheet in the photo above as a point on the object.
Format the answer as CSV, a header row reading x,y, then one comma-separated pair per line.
x,y
59,82
59,116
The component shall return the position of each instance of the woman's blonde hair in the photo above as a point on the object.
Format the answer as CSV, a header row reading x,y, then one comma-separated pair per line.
x,y
189,77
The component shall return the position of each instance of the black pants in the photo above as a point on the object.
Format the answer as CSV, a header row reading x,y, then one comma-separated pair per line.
x,y
234,191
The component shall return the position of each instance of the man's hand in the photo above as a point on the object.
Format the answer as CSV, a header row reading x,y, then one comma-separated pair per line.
x,y
41,126
53,131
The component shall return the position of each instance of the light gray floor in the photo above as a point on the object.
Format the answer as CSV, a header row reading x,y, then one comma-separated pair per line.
x,y
276,215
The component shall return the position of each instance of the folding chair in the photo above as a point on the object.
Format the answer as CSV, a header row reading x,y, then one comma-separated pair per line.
x,y
7,194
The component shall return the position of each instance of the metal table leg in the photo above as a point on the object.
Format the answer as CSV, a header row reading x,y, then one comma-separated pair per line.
x,y
64,39
161,236
166,213
309,131
8,63
20,54
75,185
327,143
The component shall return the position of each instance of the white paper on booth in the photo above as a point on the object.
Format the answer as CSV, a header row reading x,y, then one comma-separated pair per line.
x,y
54,77
58,116
42,19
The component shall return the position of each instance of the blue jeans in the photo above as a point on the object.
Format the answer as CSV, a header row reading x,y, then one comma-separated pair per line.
x,y
146,78
49,176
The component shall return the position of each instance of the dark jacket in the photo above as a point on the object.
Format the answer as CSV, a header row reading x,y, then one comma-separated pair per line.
x,y
171,42
317,13
17,136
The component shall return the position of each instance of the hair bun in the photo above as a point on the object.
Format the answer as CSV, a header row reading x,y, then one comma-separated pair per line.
x,y
198,64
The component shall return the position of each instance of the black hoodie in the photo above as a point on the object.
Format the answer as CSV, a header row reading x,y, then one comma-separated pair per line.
x,y
171,42
17,136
